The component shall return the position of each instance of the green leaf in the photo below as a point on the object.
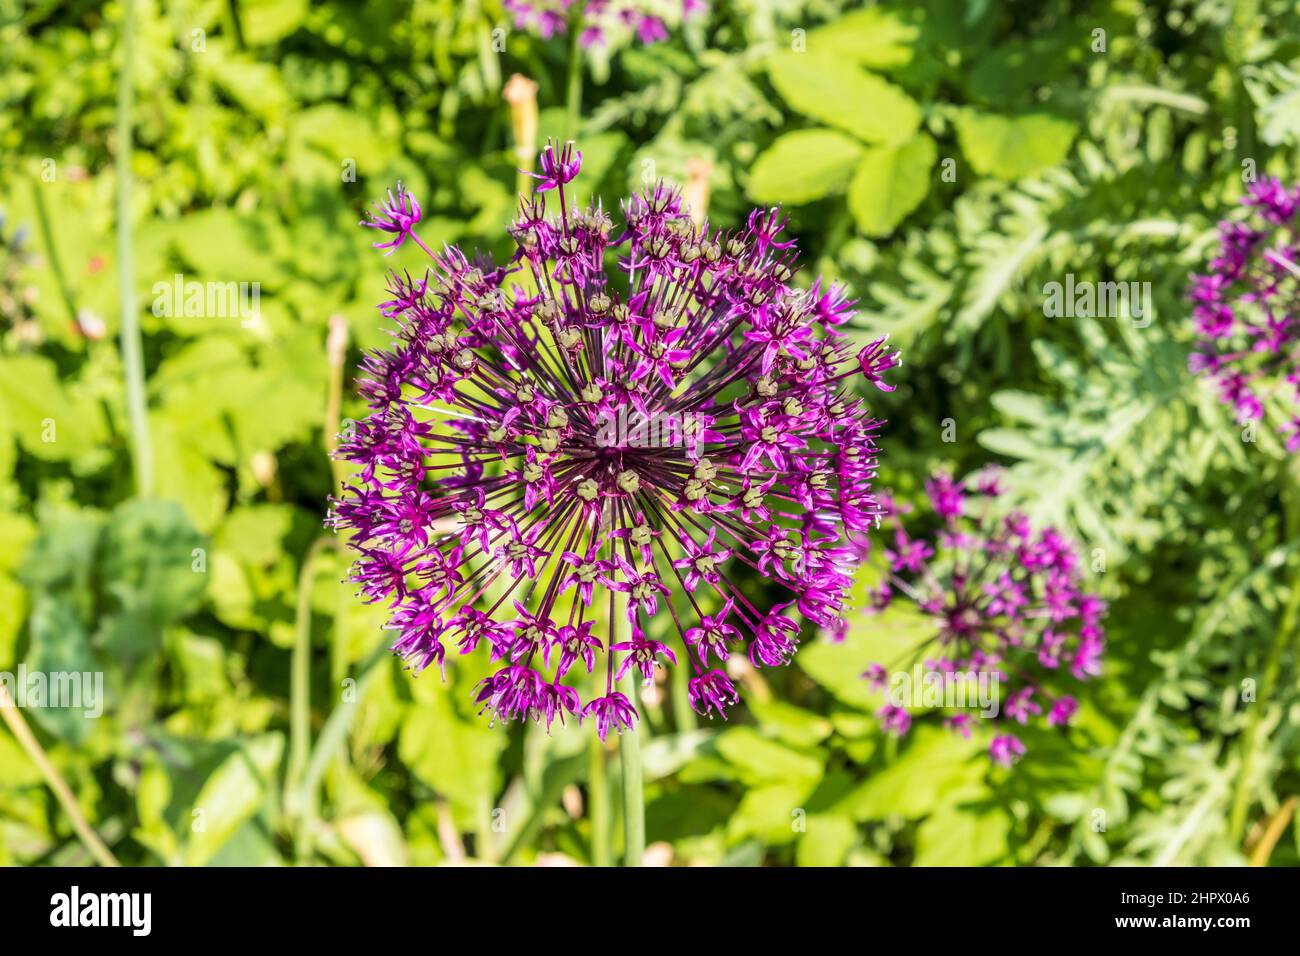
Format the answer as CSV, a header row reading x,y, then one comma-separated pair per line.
x,y
794,725
51,422
959,837
185,474
254,534
16,531
455,756
60,657
1022,406
827,841
234,793
842,94
762,760
16,768
147,560
269,21
62,561
802,166
774,813
13,609
1012,443
220,246
665,754
153,796
882,638
1281,114
257,87
202,665
339,133
876,38
375,836
935,767
1008,147
889,183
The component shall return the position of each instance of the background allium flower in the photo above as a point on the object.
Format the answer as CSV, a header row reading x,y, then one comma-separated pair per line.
x,y
398,216
545,436
1005,598
604,23
1247,311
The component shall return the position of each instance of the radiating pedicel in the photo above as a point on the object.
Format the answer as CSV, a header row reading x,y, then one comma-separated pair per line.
x,y
496,509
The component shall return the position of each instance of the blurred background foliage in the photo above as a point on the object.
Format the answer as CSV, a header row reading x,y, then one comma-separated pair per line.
x,y
945,159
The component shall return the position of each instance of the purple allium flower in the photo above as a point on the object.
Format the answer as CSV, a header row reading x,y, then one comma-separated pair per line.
x,y
895,720
547,436
399,216
558,168
1008,605
1246,311
1006,749
604,23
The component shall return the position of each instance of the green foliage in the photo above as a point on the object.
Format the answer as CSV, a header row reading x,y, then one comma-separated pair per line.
x,y
946,161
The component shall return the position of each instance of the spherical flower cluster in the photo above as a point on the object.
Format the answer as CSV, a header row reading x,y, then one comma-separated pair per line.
x,y
552,449
604,23
1007,603
1247,311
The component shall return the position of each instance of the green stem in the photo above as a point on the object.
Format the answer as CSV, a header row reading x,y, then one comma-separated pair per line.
x,y
336,350
62,792
300,678
327,744
1241,800
1286,632
484,842
629,749
685,714
598,803
52,252
573,95
132,351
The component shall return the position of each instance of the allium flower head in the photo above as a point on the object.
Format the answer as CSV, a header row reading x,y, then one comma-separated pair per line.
x,y
553,446
1006,600
1246,310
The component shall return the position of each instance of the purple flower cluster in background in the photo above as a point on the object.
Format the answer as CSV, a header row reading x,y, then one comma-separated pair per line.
x,y
495,506
1247,310
1006,600
604,22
